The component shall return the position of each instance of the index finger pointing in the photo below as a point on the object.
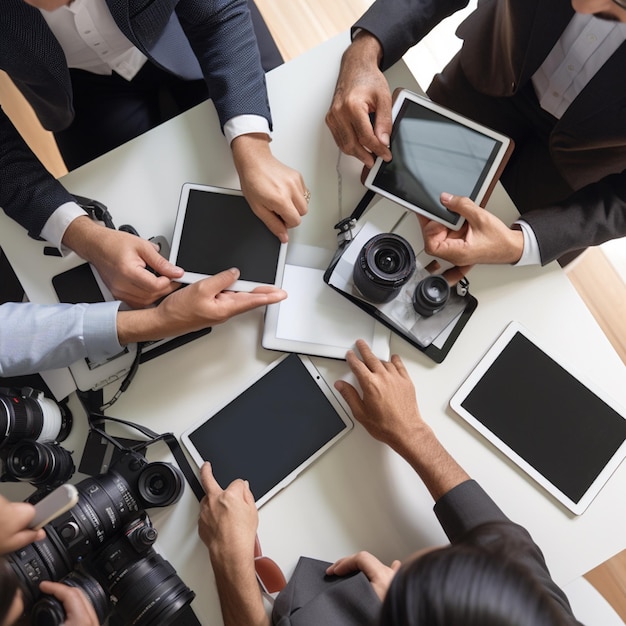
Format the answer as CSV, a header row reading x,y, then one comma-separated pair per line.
x,y
209,483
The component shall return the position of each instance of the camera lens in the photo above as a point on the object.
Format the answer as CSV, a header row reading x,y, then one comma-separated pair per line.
x,y
40,463
385,263
44,560
50,612
431,295
160,484
30,415
111,537
144,586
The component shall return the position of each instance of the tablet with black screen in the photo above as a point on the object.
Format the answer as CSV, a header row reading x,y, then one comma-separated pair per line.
x,y
564,432
434,150
215,230
272,430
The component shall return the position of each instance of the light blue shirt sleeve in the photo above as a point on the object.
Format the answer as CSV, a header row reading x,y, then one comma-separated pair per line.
x,y
39,337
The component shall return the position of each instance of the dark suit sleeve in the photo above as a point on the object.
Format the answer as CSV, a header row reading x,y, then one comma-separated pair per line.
x,y
400,24
589,217
29,194
222,36
466,507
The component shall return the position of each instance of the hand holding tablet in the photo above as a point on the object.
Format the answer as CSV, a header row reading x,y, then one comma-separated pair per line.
x,y
436,150
215,230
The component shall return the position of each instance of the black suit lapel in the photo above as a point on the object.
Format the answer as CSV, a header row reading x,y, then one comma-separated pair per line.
x,y
550,20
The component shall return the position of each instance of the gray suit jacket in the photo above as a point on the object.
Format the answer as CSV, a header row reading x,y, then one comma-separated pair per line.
x,y
504,43
190,38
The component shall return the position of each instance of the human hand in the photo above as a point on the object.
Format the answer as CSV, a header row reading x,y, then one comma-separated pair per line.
x,y
196,306
389,412
276,193
379,574
388,409
228,518
121,260
483,238
78,610
15,518
361,90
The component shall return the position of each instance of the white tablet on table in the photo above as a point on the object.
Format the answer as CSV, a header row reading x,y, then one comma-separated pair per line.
x,y
275,427
215,230
315,319
435,150
563,431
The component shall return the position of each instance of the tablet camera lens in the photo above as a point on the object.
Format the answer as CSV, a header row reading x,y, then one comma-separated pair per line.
x,y
431,295
385,264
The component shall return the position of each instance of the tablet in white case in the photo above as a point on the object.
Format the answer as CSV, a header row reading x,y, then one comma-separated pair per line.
x,y
275,427
563,431
315,319
215,230
435,150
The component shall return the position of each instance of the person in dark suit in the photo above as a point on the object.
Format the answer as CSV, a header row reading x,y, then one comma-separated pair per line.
x,y
548,73
491,573
93,71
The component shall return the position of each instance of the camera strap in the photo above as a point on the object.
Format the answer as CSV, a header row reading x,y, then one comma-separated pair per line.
x,y
97,423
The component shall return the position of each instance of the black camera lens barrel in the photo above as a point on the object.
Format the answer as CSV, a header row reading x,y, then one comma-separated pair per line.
x,y
147,591
40,464
28,414
105,532
385,264
49,611
160,484
431,295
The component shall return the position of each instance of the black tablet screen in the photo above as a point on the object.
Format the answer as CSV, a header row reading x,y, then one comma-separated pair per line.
x,y
270,429
547,416
431,154
220,231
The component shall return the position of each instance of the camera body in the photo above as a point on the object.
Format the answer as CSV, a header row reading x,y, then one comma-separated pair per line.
x,y
31,427
382,267
108,537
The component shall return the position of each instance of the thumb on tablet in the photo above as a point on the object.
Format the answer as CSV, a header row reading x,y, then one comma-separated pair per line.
x,y
461,205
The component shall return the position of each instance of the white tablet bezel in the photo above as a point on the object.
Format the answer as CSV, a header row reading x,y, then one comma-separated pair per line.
x,y
192,277
485,363
400,96
379,340
317,378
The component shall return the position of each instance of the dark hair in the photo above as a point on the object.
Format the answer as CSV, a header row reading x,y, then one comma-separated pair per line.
x,y
8,589
472,584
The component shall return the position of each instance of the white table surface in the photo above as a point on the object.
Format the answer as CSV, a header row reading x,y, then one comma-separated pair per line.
x,y
359,495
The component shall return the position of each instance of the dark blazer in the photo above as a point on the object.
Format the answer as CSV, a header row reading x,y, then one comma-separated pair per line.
x,y
504,43
311,598
190,38
467,508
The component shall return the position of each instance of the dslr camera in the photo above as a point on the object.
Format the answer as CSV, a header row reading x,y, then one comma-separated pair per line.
x,y
104,546
31,427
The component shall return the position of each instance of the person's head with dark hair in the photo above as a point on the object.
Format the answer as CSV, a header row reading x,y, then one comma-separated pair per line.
x,y
471,583
11,605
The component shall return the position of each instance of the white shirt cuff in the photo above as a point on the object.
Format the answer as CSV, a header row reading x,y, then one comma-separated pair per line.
x,y
530,255
57,224
244,125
